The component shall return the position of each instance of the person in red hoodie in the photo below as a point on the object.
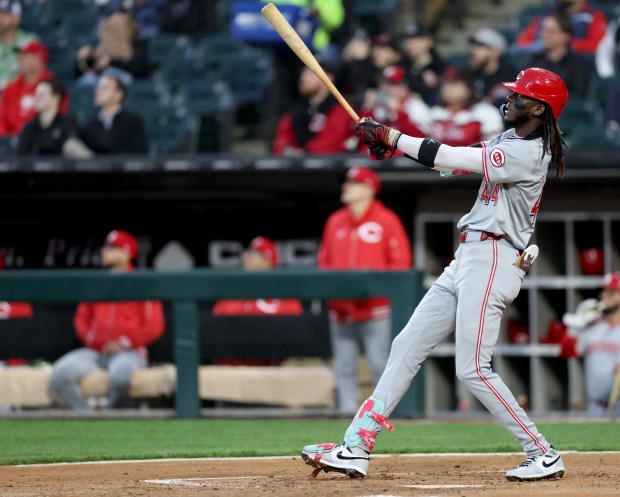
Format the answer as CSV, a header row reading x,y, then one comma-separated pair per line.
x,y
17,102
317,123
364,234
589,26
115,334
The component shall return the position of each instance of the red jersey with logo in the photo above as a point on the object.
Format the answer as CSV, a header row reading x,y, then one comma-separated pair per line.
x,y
375,241
133,324
17,104
258,307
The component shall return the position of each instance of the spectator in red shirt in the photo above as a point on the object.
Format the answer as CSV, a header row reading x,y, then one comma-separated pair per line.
x,y
364,234
317,123
261,255
17,105
115,334
589,25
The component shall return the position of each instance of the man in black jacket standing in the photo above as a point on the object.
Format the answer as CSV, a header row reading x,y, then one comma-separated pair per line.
x,y
114,130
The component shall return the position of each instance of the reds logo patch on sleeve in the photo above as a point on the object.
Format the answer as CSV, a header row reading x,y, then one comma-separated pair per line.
x,y
498,157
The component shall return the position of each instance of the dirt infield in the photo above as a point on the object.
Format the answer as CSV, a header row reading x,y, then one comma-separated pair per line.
x,y
423,476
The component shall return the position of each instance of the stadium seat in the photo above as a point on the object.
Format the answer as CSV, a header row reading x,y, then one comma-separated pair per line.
x,y
169,130
525,15
590,136
214,107
144,92
372,7
166,45
213,51
81,103
8,145
176,71
247,76
458,60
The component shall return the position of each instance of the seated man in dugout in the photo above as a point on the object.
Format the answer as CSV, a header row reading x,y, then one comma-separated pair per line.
x,y
115,335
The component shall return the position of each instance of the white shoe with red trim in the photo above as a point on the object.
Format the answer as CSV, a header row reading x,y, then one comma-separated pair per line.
x,y
351,461
541,467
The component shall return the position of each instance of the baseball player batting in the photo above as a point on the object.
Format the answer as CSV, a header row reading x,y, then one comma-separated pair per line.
x,y
484,277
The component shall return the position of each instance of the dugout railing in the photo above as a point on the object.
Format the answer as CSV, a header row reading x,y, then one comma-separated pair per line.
x,y
183,290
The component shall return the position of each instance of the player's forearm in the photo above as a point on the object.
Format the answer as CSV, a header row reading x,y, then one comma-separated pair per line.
x,y
447,158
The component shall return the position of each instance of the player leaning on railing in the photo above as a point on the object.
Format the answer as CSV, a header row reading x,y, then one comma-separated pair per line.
x,y
484,277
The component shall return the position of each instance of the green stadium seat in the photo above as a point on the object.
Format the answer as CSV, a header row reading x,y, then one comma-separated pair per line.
x,y
591,136
247,76
177,71
169,129
372,7
458,60
165,45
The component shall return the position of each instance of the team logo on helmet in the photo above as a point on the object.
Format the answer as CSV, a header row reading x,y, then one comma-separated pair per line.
x,y
498,157
520,75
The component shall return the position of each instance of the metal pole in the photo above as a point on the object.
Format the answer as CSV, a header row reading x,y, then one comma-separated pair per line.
x,y
186,358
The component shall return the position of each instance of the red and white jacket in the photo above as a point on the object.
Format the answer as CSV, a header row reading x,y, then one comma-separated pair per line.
x,y
133,324
258,307
462,127
375,241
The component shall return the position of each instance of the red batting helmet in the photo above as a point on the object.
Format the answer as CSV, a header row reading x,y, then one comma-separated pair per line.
x,y
612,282
542,85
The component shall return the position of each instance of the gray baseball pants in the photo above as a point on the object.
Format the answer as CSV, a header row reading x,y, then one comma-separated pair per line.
x,y
72,367
349,341
468,298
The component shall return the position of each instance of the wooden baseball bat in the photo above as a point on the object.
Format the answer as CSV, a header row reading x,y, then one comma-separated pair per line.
x,y
292,39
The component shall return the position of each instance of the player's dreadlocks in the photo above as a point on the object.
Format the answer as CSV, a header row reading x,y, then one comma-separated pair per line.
x,y
552,141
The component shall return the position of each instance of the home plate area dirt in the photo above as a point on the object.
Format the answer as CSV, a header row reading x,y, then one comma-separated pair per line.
x,y
588,474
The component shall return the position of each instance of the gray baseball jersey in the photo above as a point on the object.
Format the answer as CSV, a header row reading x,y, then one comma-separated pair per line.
x,y
470,296
508,198
599,345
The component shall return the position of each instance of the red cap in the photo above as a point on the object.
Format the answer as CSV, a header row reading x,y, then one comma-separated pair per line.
x,y
612,282
37,48
266,247
394,74
543,85
123,240
364,175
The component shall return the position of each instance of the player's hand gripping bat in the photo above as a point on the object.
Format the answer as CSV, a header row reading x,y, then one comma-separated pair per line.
x,y
292,39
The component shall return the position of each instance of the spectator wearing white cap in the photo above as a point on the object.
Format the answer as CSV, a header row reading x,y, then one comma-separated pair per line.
x,y
11,37
489,65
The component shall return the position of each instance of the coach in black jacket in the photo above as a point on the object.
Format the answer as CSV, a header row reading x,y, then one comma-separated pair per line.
x,y
114,130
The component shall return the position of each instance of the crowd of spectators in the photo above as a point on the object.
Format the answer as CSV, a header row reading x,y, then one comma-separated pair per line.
x,y
398,76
